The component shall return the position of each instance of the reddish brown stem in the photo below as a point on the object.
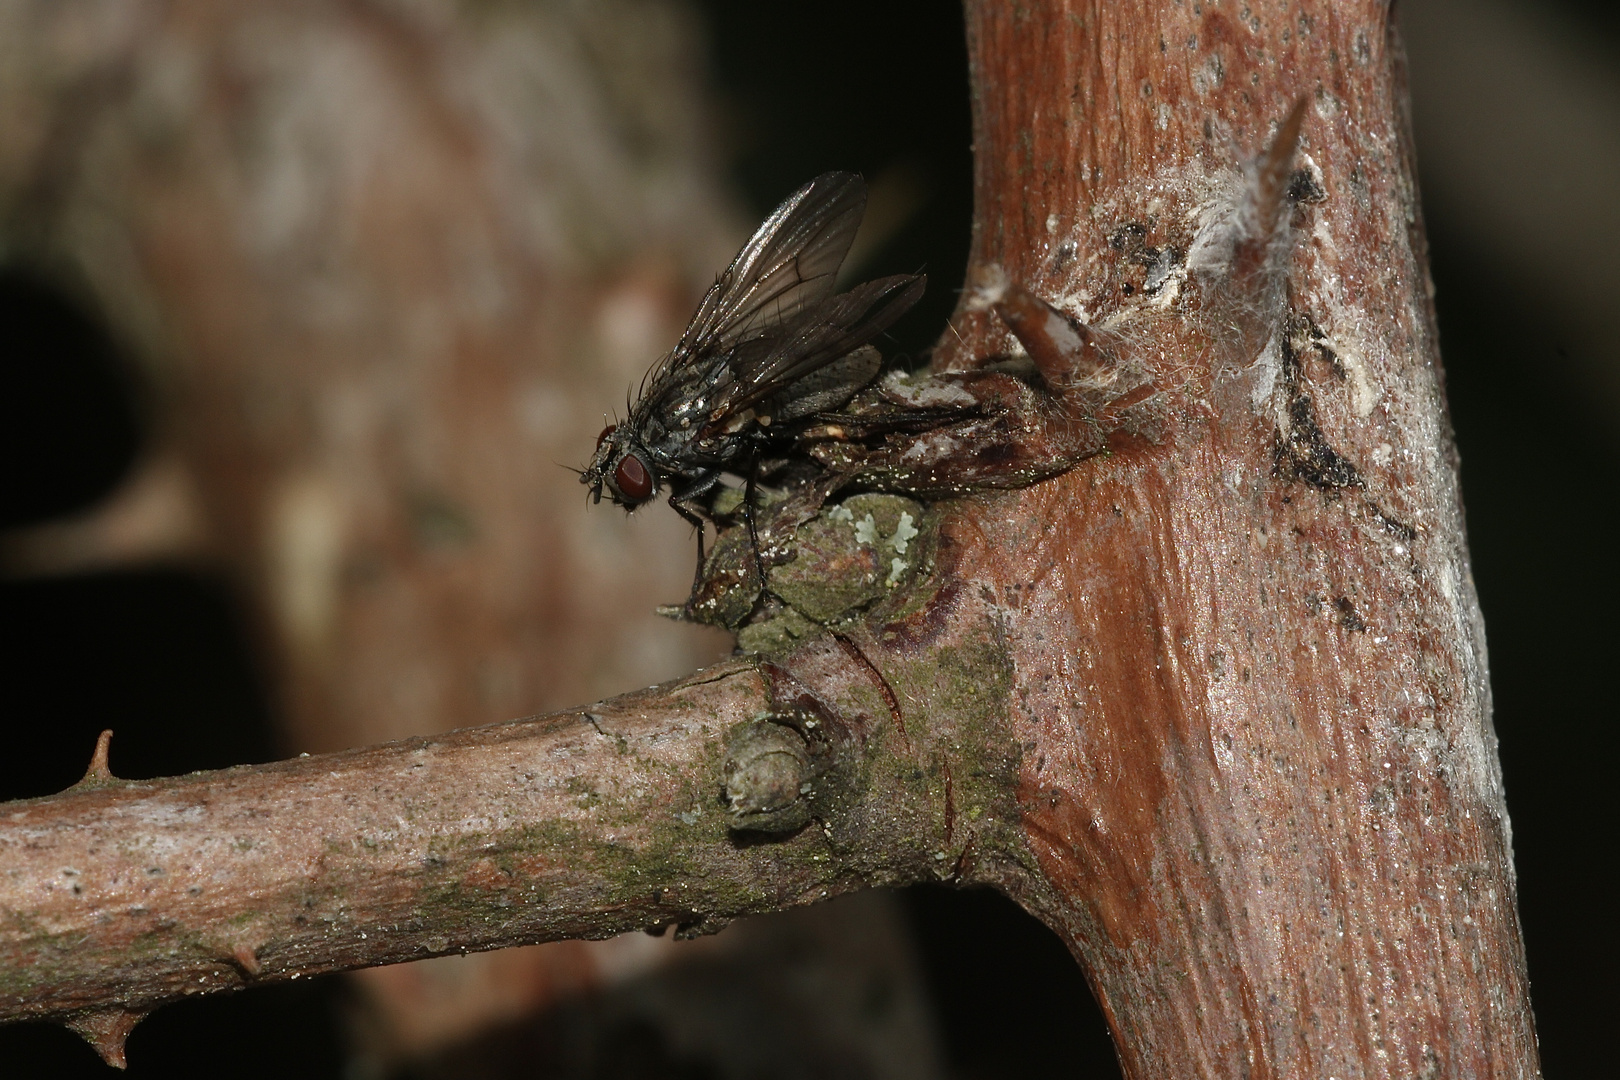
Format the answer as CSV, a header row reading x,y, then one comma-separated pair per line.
x,y
1258,772
120,895
1214,705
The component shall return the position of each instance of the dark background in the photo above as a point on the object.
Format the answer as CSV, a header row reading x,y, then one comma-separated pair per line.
x,y
160,654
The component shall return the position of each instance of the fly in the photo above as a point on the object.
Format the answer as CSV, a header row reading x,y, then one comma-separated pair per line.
x,y
770,347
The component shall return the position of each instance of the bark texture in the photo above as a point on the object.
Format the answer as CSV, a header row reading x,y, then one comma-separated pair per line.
x,y
384,267
1249,670
1213,702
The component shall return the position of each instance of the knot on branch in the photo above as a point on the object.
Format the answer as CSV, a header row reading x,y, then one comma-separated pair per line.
x,y
767,774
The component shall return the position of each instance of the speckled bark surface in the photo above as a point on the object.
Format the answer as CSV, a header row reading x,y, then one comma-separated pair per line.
x,y
1249,676
1213,703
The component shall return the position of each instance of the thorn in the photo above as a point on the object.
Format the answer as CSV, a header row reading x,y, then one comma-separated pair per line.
x,y
1271,185
106,1030
1263,214
98,773
1064,350
246,960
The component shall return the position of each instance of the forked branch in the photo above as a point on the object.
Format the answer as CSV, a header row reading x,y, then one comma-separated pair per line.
x,y
1165,628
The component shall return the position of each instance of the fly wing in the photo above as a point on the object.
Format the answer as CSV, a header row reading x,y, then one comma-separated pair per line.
x,y
838,327
829,387
788,265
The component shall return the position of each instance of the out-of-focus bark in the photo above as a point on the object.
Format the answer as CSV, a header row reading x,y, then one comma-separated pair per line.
x,y
1214,704
385,266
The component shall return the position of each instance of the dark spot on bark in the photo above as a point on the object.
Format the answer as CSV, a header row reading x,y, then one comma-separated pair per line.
x,y
1302,453
1305,335
1348,616
1394,526
1303,188
1129,238
1065,255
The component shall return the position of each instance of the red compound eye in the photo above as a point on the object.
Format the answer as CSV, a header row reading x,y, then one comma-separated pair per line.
x,y
633,479
610,429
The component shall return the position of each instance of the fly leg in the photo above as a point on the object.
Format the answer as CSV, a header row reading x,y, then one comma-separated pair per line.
x,y
748,516
697,523
681,501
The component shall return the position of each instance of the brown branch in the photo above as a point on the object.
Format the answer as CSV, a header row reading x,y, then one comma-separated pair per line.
x,y
1213,704
121,895
1258,769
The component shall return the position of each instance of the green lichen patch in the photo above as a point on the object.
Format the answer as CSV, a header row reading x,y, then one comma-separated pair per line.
x,y
829,567
849,556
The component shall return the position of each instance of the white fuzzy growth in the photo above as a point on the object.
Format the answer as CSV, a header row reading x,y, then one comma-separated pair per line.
x,y
1266,370
924,391
932,446
1363,396
1220,224
988,287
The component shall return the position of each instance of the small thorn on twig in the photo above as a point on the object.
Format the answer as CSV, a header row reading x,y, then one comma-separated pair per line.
x,y
1276,170
106,1030
99,772
1065,350
1251,246
246,960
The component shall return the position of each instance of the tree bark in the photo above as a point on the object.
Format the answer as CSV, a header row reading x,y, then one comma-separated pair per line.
x,y
1214,703
384,267
1259,772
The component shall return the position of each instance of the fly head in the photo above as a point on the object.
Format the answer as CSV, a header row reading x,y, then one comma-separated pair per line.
x,y
622,466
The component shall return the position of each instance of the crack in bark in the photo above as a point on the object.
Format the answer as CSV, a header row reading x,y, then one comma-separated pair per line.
x,y
854,652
